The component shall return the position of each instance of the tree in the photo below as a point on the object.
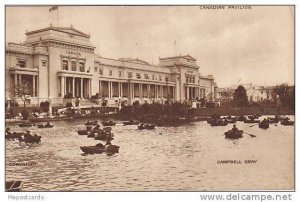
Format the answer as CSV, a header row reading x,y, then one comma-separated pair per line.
x,y
226,96
21,91
240,97
286,95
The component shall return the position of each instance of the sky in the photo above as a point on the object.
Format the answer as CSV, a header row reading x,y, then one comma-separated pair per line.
x,y
236,46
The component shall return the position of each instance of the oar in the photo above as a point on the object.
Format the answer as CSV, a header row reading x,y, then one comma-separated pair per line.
x,y
253,125
251,135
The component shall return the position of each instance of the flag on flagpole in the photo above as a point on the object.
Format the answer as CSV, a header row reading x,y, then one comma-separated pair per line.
x,y
53,8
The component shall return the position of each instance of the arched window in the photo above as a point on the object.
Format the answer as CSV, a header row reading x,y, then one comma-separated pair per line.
x,y
73,65
81,66
65,65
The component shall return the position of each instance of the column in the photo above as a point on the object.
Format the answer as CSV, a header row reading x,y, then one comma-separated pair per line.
x,y
16,84
121,90
20,79
141,91
33,85
90,87
81,87
129,93
132,90
62,86
100,87
109,89
73,86
187,93
16,79
37,86
174,93
148,89
65,85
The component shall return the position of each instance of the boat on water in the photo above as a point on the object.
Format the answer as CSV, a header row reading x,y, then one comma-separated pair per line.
x,y
131,122
219,122
143,126
45,126
100,148
50,119
93,123
82,132
230,134
272,120
287,122
252,121
264,124
242,118
26,124
108,123
13,186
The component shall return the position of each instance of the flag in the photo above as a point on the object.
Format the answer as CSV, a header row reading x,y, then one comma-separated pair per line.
x,y
53,8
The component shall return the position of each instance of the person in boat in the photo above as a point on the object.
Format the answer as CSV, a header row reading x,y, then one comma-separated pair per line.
x,y
97,127
264,120
7,130
48,124
234,128
107,142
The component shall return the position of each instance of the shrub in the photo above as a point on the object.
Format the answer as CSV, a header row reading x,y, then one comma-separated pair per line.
x,y
25,114
45,106
69,104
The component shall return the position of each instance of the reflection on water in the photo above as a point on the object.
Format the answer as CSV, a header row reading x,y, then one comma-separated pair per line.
x,y
167,158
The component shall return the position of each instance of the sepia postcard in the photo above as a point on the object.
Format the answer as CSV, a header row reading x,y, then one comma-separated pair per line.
x,y
149,98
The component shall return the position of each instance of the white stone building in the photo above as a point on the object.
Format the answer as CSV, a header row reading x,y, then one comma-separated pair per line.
x,y
56,61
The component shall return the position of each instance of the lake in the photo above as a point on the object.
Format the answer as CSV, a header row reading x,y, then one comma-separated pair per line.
x,y
193,157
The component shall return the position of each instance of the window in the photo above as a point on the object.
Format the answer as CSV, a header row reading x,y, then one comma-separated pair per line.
x,y
146,76
153,77
44,63
73,65
110,72
160,78
129,74
95,69
138,75
81,66
167,79
65,65
120,73
100,71
186,79
22,63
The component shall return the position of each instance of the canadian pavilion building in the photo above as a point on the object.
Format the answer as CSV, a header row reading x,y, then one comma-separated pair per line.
x,y
56,61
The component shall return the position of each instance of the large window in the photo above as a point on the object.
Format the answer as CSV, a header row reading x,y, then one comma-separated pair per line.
x,y
73,65
129,75
81,66
100,71
65,65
